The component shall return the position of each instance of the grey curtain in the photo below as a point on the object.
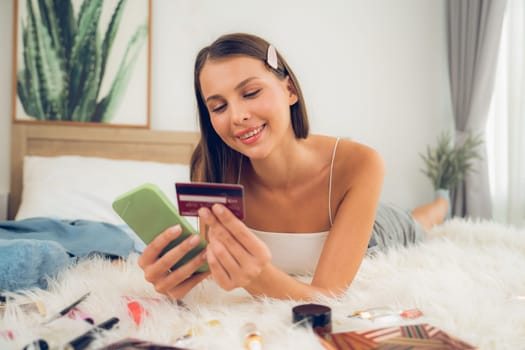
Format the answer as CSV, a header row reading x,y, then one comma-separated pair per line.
x,y
474,31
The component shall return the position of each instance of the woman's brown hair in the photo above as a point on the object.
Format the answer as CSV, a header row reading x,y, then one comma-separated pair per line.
x,y
213,160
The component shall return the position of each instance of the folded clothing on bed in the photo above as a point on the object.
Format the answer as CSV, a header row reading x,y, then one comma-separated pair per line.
x,y
32,250
27,263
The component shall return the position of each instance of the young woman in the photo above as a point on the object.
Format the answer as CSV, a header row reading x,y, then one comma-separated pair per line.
x,y
311,201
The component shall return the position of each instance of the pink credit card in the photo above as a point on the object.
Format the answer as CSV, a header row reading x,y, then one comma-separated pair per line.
x,y
193,195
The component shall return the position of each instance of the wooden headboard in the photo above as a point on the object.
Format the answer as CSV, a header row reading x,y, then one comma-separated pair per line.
x,y
93,141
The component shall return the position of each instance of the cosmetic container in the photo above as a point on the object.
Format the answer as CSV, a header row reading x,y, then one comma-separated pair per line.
x,y
319,317
252,337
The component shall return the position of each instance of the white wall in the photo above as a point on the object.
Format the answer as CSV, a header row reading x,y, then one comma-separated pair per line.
x,y
374,71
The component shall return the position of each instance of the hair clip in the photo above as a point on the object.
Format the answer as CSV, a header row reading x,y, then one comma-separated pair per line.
x,y
271,57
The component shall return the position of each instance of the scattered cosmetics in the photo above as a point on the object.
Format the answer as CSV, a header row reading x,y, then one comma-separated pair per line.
x,y
135,308
28,307
67,309
316,316
35,305
138,344
39,344
379,312
198,330
77,314
414,336
319,317
183,340
136,311
81,342
251,337
7,334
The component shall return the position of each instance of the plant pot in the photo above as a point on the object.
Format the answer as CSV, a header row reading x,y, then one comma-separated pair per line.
x,y
445,194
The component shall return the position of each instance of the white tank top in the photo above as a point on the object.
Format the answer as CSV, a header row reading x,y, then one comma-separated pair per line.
x,y
297,253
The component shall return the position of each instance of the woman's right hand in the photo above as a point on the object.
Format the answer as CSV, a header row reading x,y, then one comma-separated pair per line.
x,y
173,283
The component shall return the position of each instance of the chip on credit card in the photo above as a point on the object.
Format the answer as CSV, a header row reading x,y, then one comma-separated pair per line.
x,y
193,195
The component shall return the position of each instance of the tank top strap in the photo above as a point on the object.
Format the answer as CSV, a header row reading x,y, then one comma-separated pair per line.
x,y
330,182
239,172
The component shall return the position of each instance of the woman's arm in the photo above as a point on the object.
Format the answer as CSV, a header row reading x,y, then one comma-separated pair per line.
x,y
347,242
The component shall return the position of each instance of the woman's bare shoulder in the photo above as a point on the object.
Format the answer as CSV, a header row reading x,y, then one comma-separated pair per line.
x,y
355,160
358,151
348,153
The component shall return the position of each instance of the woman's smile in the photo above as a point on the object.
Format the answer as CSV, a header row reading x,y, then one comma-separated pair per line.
x,y
250,135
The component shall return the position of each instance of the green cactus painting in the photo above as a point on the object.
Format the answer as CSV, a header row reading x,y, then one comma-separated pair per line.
x,y
68,69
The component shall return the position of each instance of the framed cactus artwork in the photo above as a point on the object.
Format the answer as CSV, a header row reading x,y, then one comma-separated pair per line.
x,y
82,61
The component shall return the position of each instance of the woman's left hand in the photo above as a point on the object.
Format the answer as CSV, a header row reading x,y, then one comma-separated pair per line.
x,y
235,255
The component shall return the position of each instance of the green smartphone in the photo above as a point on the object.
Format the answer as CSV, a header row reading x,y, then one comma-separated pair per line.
x,y
148,212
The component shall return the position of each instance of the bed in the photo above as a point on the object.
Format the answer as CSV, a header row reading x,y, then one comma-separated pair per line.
x,y
467,280
110,143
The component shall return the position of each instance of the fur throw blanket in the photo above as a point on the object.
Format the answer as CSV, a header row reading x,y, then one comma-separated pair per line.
x,y
468,280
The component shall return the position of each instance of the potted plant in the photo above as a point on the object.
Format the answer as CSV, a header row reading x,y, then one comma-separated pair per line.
x,y
447,164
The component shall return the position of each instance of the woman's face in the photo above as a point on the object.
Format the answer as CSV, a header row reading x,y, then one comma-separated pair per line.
x,y
249,106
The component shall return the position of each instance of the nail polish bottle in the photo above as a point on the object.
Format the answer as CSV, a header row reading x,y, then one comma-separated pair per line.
x,y
251,336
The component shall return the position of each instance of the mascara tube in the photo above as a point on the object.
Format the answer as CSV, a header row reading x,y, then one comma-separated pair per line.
x,y
39,344
83,341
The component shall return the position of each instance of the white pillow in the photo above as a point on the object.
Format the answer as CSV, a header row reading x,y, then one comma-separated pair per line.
x,y
74,187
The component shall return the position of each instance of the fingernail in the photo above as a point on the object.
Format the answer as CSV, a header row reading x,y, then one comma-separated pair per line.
x,y
218,208
175,229
194,240
203,212
203,256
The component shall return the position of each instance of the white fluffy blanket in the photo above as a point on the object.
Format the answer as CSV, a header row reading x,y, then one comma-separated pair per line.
x,y
468,280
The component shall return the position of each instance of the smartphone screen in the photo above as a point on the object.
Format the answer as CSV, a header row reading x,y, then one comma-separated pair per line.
x,y
148,212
